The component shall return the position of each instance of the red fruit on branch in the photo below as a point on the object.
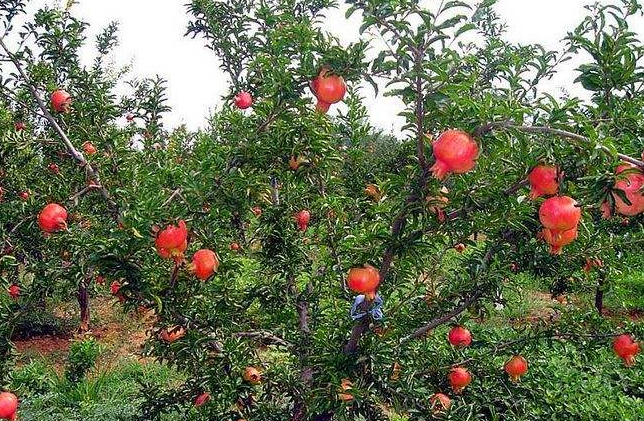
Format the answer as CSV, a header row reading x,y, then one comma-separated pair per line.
x,y
455,152
204,264
243,100
557,242
364,280
89,148
459,337
302,219
53,168
202,399
52,218
559,214
632,185
544,181
8,406
14,291
460,247
516,367
24,195
172,241
252,376
328,87
115,287
257,211
172,333
61,101
626,348
440,403
459,378
235,246
20,126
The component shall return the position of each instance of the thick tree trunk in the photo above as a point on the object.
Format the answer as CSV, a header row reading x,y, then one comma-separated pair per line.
x,y
83,303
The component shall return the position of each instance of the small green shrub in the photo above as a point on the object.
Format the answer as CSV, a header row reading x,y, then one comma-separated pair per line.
x,y
82,357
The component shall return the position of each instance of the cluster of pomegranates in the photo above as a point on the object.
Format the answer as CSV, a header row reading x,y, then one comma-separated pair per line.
x,y
631,182
328,88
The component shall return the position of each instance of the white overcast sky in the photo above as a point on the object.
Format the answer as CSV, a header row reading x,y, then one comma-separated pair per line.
x,y
152,41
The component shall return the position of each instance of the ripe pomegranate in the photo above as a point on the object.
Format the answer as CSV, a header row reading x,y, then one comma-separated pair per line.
x,y
626,348
373,192
53,168
235,246
61,101
243,100
455,152
52,218
257,211
172,333
204,264
516,367
459,378
440,403
115,287
459,337
364,280
89,148
544,181
302,219
202,399
460,247
344,391
8,406
172,241
322,107
557,242
252,376
100,280
20,126
328,87
14,291
559,214
632,184
24,195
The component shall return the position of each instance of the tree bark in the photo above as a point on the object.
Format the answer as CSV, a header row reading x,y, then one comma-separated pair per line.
x,y
83,303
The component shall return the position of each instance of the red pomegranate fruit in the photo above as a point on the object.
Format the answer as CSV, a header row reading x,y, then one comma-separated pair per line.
x,y
202,399
328,87
243,100
559,214
235,246
89,148
364,280
53,168
252,376
455,152
460,247
440,403
61,101
24,195
626,348
459,337
115,287
459,378
8,406
557,242
14,291
172,241
204,264
52,218
257,211
302,219
516,367
544,181
632,184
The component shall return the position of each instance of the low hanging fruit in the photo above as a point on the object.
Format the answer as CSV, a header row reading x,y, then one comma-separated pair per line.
x,y
516,367
204,264
8,406
557,242
455,152
172,333
632,185
364,280
61,101
544,181
626,348
115,287
52,218
459,378
202,399
243,100
302,219
559,214
440,403
14,291
252,376
172,241
329,88
89,148
459,337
